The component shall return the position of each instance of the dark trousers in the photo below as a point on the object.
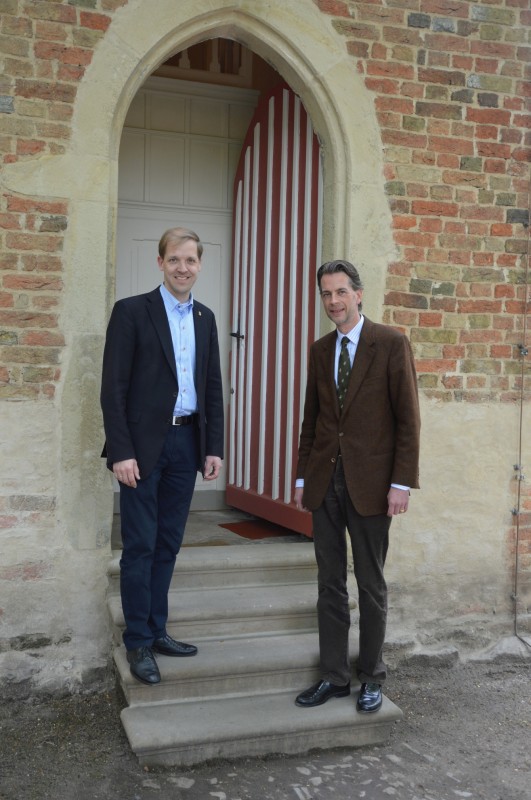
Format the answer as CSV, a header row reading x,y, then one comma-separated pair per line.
x,y
153,518
369,537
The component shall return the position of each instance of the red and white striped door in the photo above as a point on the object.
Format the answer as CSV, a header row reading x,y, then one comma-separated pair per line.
x,y
276,251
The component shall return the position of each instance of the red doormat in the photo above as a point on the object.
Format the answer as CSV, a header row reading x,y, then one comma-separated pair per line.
x,y
257,529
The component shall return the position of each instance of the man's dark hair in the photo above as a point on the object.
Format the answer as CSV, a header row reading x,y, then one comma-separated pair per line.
x,y
330,267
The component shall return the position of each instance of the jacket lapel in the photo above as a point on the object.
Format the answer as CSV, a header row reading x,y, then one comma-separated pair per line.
x,y
157,312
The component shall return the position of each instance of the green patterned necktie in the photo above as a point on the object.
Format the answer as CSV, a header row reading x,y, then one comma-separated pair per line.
x,y
343,371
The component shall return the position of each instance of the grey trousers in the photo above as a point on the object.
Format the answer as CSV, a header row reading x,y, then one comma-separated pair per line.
x,y
369,537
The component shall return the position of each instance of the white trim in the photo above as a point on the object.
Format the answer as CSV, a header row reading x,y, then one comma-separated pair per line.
x,y
173,86
265,298
251,302
275,490
293,291
234,345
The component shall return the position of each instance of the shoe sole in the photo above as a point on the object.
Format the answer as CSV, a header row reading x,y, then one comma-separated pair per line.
x,y
322,702
174,655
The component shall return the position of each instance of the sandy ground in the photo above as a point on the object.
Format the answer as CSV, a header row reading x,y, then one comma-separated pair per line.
x,y
466,733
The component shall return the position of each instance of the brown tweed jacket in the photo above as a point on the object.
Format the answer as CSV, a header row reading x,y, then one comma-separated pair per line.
x,y
378,430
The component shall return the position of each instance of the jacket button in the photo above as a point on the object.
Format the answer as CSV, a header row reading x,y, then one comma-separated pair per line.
x,y
333,460
341,433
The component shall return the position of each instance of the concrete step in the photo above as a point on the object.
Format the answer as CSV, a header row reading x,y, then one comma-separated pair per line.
x,y
250,665
201,567
186,733
197,614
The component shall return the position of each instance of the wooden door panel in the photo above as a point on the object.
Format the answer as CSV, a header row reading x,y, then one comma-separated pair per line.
x,y
276,248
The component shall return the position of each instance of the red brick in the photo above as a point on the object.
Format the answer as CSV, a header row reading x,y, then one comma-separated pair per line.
x,y
495,166
49,50
430,319
392,70
41,263
446,77
26,319
487,132
358,50
6,300
30,147
504,290
398,104
337,8
436,365
77,56
27,241
44,90
423,208
97,22
491,48
404,223
446,43
492,116
501,229
488,66
382,86
479,307
447,8
9,221
430,225
442,144
404,139
52,31
42,339
32,283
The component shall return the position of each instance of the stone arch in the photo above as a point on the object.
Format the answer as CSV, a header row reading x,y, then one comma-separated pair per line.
x,y
356,220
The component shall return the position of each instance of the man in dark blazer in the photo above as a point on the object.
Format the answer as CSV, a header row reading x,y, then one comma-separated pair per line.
x,y
162,404
358,458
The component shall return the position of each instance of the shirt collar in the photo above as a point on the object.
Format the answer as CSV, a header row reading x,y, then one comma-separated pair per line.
x,y
354,334
172,303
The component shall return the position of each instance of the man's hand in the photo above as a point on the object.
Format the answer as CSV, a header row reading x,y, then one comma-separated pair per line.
x,y
127,472
298,498
211,468
398,500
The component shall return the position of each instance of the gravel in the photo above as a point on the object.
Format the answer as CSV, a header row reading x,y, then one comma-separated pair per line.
x,y
466,733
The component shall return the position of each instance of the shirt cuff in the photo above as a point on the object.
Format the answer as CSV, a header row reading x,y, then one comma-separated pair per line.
x,y
399,486
299,483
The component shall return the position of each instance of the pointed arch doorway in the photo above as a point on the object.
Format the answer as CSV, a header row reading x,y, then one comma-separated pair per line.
x,y
178,156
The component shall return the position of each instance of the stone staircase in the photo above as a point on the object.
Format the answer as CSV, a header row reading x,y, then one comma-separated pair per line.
x,y
251,611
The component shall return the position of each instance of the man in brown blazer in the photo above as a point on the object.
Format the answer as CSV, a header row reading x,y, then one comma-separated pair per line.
x,y
358,459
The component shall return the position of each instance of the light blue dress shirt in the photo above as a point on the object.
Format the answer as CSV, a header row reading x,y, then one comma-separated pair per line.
x,y
181,319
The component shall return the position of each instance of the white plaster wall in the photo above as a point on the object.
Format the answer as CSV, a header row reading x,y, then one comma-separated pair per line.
x,y
446,558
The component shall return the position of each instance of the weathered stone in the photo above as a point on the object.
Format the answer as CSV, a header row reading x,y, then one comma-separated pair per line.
x,y
419,20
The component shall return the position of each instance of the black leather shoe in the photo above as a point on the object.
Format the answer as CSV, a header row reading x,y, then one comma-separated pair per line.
x,y
167,646
321,692
143,665
370,698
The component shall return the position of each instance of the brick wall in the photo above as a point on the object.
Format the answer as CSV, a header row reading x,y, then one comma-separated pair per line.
x,y
451,90
45,47
451,87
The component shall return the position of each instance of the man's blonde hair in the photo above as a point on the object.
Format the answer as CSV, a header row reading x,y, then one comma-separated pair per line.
x,y
179,235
